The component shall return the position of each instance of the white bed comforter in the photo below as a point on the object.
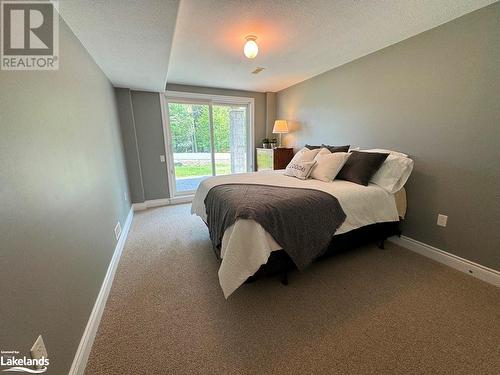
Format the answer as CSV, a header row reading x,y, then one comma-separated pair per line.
x,y
246,245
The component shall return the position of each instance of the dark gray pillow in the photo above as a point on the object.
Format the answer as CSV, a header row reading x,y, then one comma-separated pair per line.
x,y
330,148
361,166
310,147
337,148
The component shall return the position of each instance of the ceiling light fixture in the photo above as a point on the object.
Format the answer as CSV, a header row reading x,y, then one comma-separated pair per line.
x,y
251,48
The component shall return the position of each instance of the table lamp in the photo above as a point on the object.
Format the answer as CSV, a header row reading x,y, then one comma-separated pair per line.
x,y
280,127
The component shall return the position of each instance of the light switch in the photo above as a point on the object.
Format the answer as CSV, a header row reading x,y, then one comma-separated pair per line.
x,y
162,158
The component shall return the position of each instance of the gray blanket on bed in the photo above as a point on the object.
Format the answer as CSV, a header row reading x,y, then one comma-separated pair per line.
x,y
301,221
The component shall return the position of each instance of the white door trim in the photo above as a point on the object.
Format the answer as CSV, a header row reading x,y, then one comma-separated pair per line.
x,y
167,139
192,96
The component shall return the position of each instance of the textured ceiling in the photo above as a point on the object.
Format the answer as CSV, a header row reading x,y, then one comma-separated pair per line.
x,y
297,39
134,44
130,40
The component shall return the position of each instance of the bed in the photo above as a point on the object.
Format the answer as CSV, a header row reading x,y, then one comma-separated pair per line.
x,y
246,246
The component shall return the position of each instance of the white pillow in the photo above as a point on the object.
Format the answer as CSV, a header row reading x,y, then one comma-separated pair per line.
x,y
305,155
393,173
299,169
323,151
328,165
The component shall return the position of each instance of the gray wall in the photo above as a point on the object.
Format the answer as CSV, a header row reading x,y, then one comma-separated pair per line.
x,y
151,143
270,114
143,141
131,148
435,96
62,185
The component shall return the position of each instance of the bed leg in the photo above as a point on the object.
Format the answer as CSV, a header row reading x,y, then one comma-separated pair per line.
x,y
284,277
381,244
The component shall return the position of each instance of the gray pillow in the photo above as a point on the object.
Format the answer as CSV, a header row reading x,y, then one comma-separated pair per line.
x,y
311,147
361,166
337,148
330,148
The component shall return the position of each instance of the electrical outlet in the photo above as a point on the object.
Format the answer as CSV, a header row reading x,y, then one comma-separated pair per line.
x,y
118,230
162,158
38,350
442,220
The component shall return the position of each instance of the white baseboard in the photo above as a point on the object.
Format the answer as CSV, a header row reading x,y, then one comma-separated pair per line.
x,y
150,204
474,269
83,351
161,202
182,199
139,206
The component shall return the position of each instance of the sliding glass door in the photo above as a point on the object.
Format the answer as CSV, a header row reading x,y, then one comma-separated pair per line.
x,y
206,138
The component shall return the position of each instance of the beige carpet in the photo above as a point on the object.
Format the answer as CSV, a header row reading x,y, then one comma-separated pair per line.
x,y
368,311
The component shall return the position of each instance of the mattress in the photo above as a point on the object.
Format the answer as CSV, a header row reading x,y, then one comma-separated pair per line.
x,y
246,245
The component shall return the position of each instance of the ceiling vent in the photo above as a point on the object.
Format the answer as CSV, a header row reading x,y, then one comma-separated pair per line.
x,y
258,70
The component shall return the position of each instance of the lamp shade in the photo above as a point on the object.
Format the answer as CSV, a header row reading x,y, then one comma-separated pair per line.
x,y
280,126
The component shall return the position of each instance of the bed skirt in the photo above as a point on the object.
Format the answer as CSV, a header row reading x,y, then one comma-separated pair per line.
x,y
279,261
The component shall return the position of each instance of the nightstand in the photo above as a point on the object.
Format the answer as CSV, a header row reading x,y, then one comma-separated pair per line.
x,y
273,158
